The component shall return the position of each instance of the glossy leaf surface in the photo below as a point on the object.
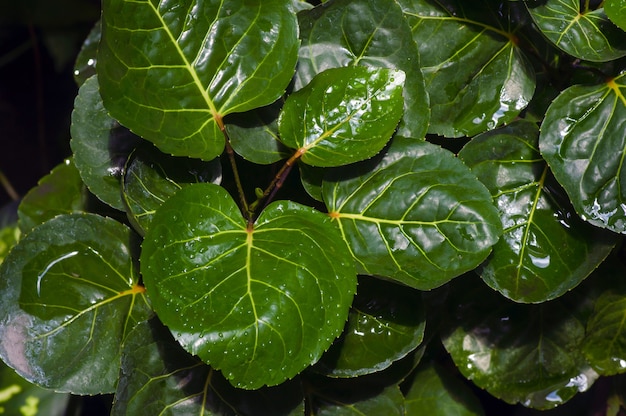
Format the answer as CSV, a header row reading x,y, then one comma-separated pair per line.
x,y
151,177
406,214
343,115
192,63
583,141
85,65
579,30
546,249
367,33
435,391
71,295
386,322
260,303
476,76
159,377
100,145
616,11
529,354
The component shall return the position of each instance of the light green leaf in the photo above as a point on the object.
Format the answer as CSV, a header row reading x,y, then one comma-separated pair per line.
x,y
70,296
369,33
407,214
192,63
583,141
476,75
616,11
344,115
579,30
100,145
260,301
546,249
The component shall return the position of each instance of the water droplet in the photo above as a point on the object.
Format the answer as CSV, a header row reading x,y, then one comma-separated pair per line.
x,y
221,335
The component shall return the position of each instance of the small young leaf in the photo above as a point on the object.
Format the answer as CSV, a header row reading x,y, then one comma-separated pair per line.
x,y
70,297
408,214
260,302
192,63
343,115
582,139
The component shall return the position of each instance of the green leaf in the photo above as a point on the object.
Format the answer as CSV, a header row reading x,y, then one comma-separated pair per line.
x,y
85,65
529,354
9,236
436,392
583,141
260,302
151,177
343,115
60,192
578,30
476,75
70,296
408,214
192,63
386,322
616,11
605,341
160,378
368,33
546,250
100,145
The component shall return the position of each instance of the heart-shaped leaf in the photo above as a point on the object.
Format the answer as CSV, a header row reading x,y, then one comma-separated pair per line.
x,y
583,140
476,76
616,11
100,145
368,33
546,250
405,215
260,302
579,30
191,63
343,115
160,378
529,354
70,296
386,322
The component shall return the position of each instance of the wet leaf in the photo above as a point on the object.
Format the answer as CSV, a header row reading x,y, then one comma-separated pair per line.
x,y
437,392
386,322
580,30
151,177
406,214
475,74
368,33
85,65
100,145
160,377
70,297
616,11
259,302
343,115
583,141
192,63
546,250
529,354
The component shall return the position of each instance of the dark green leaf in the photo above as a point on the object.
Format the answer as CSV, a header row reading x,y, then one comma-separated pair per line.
x,y
192,63
529,354
583,141
368,33
260,302
436,392
85,65
70,296
100,145
616,11
160,378
546,250
311,178
475,74
386,322
343,115
580,31
151,177
417,215
60,192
